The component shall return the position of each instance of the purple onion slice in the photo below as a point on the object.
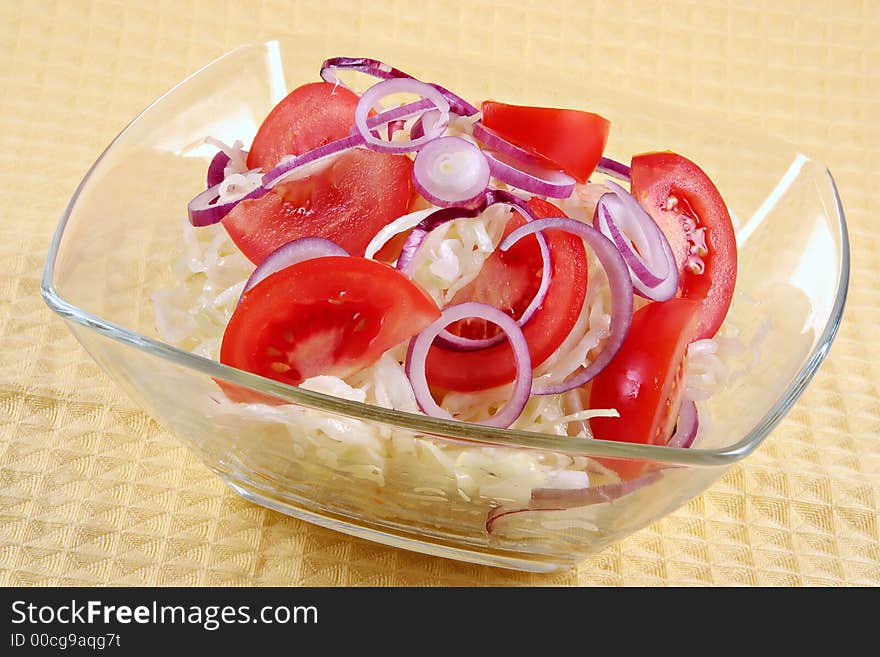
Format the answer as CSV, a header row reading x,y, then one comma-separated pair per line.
x,y
614,169
641,242
205,209
451,171
530,177
687,426
420,345
291,253
556,499
369,101
216,169
621,293
377,69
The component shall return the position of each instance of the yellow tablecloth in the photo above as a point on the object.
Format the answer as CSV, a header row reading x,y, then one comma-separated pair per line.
x,y
92,491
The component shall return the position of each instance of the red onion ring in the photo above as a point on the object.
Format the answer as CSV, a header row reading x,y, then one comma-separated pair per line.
x,y
395,126
402,112
420,345
298,250
451,171
687,426
495,142
406,259
317,156
377,69
561,499
217,168
530,177
320,155
429,118
607,207
621,293
370,98
614,169
204,210
621,218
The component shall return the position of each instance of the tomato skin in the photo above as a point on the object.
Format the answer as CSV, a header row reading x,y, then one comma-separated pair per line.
x,y
571,140
642,381
333,315
467,371
308,117
348,202
656,177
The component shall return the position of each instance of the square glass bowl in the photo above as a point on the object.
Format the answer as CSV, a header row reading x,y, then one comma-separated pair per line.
x,y
436,486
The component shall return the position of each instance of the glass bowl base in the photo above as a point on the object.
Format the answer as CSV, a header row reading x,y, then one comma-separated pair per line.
x,y
396,539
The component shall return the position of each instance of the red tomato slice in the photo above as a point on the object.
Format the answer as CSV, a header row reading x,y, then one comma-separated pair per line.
x,y
683,200
333,315
348,202
506,281
568,139
308,117
642,380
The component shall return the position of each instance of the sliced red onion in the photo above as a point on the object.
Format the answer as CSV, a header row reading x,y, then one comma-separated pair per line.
x,y
498,144
621,218
451,171
529,176
370,98
401,113
614,169
420,345
205,210
687,426
395,126
428,119
418,126
216,170
298,250
406,261
607,208
621,293
556,499
377,69
317,157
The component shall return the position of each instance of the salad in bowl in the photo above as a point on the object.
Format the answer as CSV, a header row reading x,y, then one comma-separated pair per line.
x,y
459,328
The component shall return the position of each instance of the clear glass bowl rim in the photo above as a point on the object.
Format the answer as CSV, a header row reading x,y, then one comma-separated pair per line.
x,y
440,428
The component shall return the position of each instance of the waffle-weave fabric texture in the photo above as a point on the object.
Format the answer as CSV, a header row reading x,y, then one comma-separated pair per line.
x,y
94,492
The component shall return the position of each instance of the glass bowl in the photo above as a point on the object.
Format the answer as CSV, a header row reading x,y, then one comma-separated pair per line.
x,y
435,486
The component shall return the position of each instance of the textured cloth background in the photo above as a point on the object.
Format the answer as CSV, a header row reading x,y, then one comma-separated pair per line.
x,y
92,491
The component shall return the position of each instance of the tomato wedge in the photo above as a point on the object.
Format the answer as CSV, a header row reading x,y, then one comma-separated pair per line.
x,y
308,117
642,380
567,139
348,202
333,315
506,281
685,204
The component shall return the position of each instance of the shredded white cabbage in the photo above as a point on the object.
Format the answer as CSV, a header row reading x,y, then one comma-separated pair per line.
x,y
210,274
237,156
